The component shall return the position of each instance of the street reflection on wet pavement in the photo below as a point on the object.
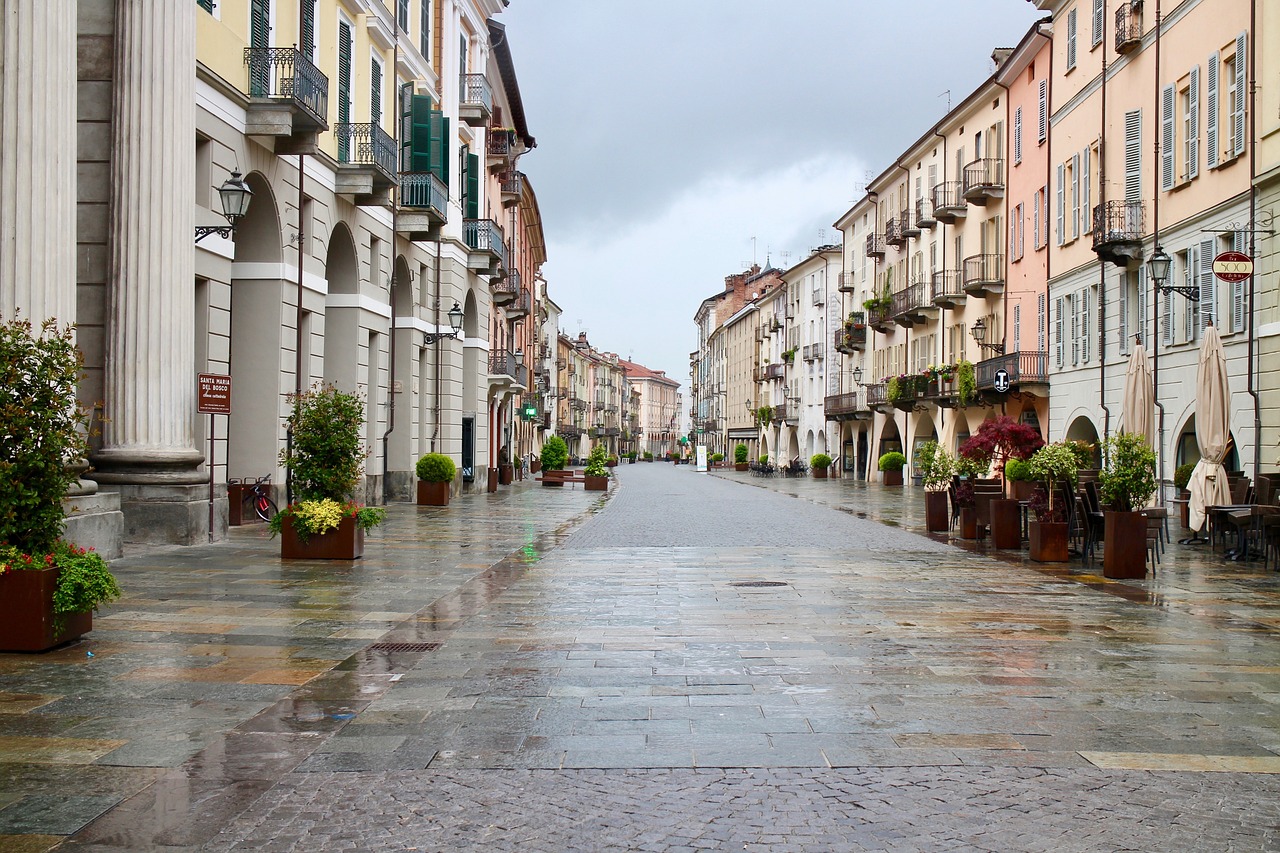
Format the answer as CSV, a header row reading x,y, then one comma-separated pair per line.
x,y
689,663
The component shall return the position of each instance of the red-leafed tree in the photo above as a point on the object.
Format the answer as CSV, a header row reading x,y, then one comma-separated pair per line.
x,y
1002,439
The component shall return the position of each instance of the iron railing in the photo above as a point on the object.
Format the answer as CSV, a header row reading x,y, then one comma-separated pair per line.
x,y
777,370
848,281
512,182
424,191
502,141
841,405
875,245
1128,26
909,300
1118,222
947,195
485,235
947,287
366,145
881,319
983,175
283,72
877,395
1026,367
851,339
983,269
477,91
502,363
910,227
521,306
924,212
893,232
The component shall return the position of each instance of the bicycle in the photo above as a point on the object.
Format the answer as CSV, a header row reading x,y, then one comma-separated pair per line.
x,y
263,506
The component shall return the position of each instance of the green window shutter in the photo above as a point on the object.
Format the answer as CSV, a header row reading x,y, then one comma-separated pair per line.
x,y
207,5
260,39
421,142
375,93
473,185
406,127
307,30
344,89
439,161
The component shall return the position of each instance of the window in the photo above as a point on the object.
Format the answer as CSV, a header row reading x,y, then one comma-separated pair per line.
x,y
424,29
307,30
1208,282
375,92
1042,129
1191,125
1086,188
1041,323
1236,94
402,15
1074,169
1035,215
1098,22
1017,136
1017,225
1168,138
1061,218
1085,302
1211,111
1122,310
1017,328
1238,244
207,5
1073,304
1071,39
1133,155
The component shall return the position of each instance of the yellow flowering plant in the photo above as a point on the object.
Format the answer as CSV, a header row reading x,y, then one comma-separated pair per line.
x,y
314,517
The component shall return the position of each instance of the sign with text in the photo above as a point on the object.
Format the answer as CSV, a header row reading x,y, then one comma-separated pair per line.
x,y
1001,383
1233,266
213,394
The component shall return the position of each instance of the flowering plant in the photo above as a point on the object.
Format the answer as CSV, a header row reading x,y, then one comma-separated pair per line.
x,y
940,372
84,581
313,517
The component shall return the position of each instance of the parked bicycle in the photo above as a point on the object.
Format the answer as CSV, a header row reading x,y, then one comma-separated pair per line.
x,y
258,494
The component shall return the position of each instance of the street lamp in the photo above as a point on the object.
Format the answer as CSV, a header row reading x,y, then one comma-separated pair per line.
x,y
455,323
979,332
1158,265
857,376
235,196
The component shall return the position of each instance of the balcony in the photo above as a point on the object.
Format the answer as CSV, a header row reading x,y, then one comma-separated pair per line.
x,y
942,393
577,404
784,414
1026,373
569,431
1118,227
881,319
851,339
504,367
910,227
503,291
875,245
878,398
487,250
948,202
519,309
948,289
1128,26
424,204
476,100
512,186
288,97
367,163
848,282
924,213
845,407
612,431
910,306
984,275
984,181
778,370
500,148
598,405
893,233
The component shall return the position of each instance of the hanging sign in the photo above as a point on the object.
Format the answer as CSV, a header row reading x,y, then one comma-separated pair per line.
x,y
1233,266
213,394
1001,383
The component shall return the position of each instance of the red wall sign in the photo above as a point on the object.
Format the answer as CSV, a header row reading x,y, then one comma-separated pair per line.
x,y
214,394
1233,266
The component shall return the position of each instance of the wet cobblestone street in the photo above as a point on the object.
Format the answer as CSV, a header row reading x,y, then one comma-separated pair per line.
x,y
694,663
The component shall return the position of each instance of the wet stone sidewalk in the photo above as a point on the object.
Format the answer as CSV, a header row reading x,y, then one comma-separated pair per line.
x,y
692,664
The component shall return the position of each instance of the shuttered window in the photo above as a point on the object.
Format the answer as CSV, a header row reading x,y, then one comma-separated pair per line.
x,y
471,162
375,93
1017,136
344,89
424,29
1042,322
1133,155
1086,190
1059,332
1035,209
1122,311
307,30
1042,129
406,127
1237,116
1237,287
260,39
1098,22
424,136
1191,310
1071,39
1061,219
1141,324
1075,196
1084,325
1074,302
1208,286
1193,124
1211,111
207,5
1166,323
1167,137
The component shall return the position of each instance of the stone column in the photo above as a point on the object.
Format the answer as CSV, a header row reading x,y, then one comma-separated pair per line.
x,y
149,401
37,161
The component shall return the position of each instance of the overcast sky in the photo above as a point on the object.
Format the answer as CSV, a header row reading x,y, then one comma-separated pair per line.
x,y
673,132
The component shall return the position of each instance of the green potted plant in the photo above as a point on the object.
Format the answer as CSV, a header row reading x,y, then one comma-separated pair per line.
x,y
891,464
740,457
49,587
935,465
789,355
764,414
648,457
717,458
435,476
819,463
555,455
611,461
764,459
1052,465
597,470
1126,483
326,463
1017,473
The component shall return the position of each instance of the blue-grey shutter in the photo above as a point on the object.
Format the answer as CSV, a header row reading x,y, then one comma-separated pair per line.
x,y
1042,129
1237,120
1086,191
1208,285
1075,196
1061,219
1211,110
1075,328
1167,137
1193,132
1071,39
1142,302
1084,325
1122,309
1166,329
1059,332
1098,22
1238,244
1133,155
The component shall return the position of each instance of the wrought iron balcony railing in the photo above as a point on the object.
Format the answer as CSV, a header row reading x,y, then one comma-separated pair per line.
x,y
502,142
1128,26
910,227
877,395
848,282
477,91
924,213
908,304
503,291
284,73
983,180
366,145
875,245
948,201
948,289
842,406
503,363
1118,227
1023,368
424,191
485,235
983,274
893,232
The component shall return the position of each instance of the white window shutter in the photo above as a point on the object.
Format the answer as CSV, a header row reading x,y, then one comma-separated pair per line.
x,y
1208,285
1098,19
1166,330
1193,143
1013,235
1167,137
1071,39
1086,210
1190,310
1043,128
1075,196
1123,311
1211,111
1242,79
1133,155
1084,325
1035,228
1142,303
1237,287
1062,204
1017,136
1059,336
1042,323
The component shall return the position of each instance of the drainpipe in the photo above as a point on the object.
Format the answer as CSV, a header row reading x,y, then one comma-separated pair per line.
x,y
391,360
297,339
1044,211
1253,234
1155,308
942,310
1008,245
1102,264
435,428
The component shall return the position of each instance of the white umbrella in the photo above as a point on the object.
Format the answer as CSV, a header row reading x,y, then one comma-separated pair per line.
x,y
1213,400
1138,413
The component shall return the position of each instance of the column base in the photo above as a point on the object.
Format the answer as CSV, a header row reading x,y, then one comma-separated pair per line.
x,y
172,514
95,521
134,467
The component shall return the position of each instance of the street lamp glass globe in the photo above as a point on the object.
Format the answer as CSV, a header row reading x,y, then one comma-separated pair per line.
x,y
979,330
235,196
1159,266
455,317
857,376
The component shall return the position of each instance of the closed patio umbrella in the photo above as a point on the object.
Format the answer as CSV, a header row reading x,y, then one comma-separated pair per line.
x,y
1138,412
1213,400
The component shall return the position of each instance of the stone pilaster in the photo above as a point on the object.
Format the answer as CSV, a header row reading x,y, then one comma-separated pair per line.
x,y
37,161
149,436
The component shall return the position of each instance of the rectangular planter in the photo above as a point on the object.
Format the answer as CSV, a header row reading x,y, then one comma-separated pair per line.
x,y
740,466
26,613
597,484
936,519
433,494
1006,524
1049,541
1124,555
346,542
893,478
506,474
819,473
968,522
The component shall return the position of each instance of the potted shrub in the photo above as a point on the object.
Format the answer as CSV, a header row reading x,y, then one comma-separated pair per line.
x,y
326,463
597,471
1001,439
49,587
648,457
435,476
740,457
891,464
819,463
1053,466
1181,478
935,466
764,459
555,455
716,458
968,468
789,355
611,461
1126,482
1022,483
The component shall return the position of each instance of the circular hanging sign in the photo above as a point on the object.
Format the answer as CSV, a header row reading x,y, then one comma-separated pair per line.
x,y
1233,266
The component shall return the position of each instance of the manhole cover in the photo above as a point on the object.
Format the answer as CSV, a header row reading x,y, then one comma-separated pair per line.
x,y
403,647
758,583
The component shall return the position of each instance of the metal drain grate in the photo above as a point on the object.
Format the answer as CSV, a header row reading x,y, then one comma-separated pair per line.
x,y
758,583
403,647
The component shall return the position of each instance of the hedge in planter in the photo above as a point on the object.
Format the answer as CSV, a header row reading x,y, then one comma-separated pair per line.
x,y
891,464
597,471
819,463
435,474
48,587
